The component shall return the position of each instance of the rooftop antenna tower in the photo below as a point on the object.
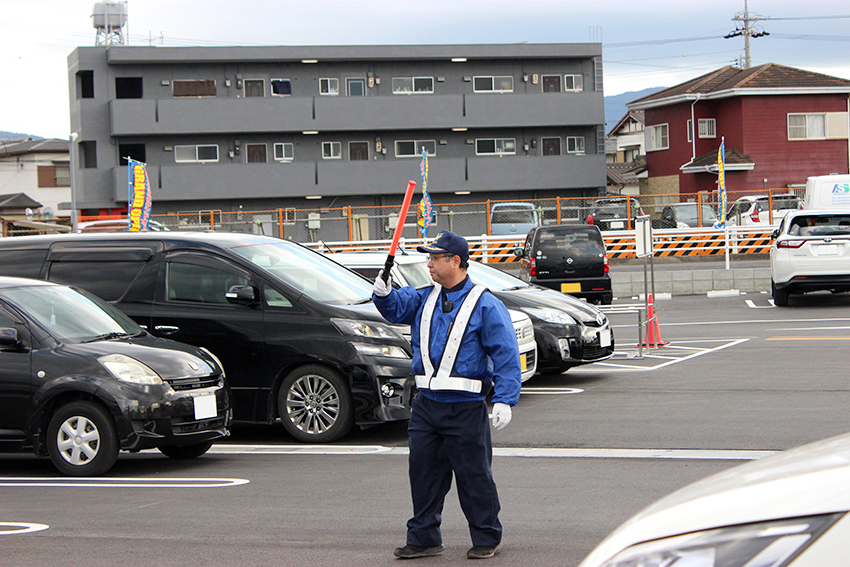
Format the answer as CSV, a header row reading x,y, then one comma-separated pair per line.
x,y
110,21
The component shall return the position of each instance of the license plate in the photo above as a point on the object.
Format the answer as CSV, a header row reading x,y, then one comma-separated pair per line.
x,y
523,364
618,224
827,249
605,338
205,407
570,287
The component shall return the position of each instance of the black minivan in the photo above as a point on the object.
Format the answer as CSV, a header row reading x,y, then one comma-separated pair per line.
x,y
567,258
297,333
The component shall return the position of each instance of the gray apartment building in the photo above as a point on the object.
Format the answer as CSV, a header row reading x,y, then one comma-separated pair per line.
x,y
266,128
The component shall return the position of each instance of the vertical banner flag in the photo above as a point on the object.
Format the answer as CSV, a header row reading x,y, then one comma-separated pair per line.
x,y
721,183
425,209
138,196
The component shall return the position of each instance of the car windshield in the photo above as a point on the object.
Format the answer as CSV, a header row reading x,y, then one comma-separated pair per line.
x,y
309,272
493,278
819,225
689,212
69,315
416,274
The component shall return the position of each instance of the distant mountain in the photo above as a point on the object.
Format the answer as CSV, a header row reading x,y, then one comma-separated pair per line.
x,y
10,136
615,105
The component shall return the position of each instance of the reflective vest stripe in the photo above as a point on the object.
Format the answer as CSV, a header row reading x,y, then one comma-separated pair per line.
x,y
449,383
442,380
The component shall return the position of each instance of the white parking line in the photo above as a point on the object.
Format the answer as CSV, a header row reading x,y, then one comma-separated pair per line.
x,y
668,360
17,528
550,391
116,482
562,453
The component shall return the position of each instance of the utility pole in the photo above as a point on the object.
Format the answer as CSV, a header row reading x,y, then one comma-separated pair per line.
x,y
748,31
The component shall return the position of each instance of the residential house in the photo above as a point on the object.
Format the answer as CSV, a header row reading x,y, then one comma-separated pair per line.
x,y
624,154
780,125
38,170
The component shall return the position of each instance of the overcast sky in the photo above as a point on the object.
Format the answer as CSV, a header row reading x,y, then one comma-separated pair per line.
x,y
649,43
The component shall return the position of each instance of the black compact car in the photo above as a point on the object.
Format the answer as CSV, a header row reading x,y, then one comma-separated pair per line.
x,y
686,215
80,381
614,213
567,258
296,333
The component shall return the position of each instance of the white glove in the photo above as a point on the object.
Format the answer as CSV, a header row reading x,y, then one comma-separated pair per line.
x,y
501,416
382,288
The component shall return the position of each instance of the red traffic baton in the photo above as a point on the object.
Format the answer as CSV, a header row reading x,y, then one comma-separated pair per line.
x,y
411,185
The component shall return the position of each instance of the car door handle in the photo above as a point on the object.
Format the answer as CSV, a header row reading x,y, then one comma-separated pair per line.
x,y
166,329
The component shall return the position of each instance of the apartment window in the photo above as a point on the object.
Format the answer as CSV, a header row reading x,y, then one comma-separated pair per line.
x,y
255,88
493,84
495,146
281,87
88,154
413,148
193,88
358,151
132,151
690,130
54,175
284,151
255,153
575,144
657,138
573,83
332,150
356,87
193,154
329,86
411,85
806,126
551,83
551,146
707,127
85,84
128,87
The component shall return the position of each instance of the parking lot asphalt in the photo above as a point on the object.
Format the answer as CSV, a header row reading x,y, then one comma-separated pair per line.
x,y
738,379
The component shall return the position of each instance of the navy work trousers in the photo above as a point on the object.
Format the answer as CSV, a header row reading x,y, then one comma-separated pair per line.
x,y
446,437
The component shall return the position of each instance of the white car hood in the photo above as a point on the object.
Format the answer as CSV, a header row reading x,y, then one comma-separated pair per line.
x,y
808,480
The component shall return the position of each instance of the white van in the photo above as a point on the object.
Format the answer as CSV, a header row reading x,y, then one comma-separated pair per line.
x,y
828,192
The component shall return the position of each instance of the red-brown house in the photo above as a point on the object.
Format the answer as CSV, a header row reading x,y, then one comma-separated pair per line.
x,y
780,125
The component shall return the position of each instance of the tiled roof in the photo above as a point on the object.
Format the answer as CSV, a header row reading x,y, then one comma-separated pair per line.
x,y
767,76
17,201
30,146
636,115
617,171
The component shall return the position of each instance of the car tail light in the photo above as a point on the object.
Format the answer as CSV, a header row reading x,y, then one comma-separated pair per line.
x,y
789,243
589,219
605,263
532,267
755,214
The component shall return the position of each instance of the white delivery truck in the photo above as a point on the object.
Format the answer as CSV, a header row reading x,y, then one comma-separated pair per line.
x,y
828,192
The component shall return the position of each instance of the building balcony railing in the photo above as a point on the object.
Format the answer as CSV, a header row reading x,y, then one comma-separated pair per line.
x,y
148,117
478,175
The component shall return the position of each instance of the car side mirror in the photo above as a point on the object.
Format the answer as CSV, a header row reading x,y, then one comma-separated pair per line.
x,y
774,233
241,295
9,338
519,252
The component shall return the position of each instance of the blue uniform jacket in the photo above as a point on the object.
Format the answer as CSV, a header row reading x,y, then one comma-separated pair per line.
x,y
488,350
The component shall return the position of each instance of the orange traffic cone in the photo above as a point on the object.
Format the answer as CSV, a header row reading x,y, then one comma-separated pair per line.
x,y
653,333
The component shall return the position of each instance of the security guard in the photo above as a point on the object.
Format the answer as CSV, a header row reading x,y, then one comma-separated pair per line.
x,y
464,346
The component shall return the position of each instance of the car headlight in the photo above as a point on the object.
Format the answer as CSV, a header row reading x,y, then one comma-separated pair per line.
x,y
372,349
129,369
366,329
550,315
767,544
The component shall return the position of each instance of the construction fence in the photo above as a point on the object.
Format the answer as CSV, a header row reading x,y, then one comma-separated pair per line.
x,y
375,224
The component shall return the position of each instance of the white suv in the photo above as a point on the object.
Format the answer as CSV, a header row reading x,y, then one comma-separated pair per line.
x,y
810,252
754,210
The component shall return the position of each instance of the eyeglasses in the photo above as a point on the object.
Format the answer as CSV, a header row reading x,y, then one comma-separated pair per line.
x,y
434,258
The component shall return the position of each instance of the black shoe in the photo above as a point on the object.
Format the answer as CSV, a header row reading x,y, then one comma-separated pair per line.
x,y
414,551
480,552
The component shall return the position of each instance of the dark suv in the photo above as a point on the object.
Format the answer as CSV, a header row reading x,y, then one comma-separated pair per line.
x,y
568,258
296,332
614,213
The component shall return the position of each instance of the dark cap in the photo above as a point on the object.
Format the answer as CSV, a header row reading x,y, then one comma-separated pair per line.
x,y
447,242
